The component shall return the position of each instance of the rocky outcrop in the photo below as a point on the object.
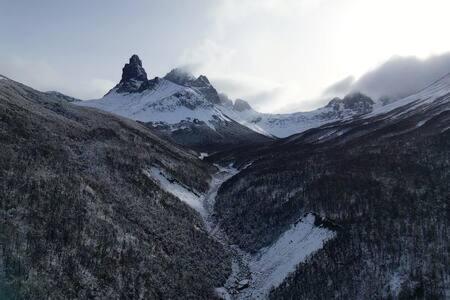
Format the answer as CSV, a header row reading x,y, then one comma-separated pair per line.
x,y
356,102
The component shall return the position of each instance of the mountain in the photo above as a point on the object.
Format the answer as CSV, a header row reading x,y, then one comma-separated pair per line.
x,y
84,213
179,107
382,180
188,110
283,125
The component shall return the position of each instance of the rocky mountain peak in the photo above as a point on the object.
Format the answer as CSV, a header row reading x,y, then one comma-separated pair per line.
x,y
357,102
134,70
134,78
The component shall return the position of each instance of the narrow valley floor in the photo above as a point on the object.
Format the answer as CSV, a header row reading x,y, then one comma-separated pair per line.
x,y
253,275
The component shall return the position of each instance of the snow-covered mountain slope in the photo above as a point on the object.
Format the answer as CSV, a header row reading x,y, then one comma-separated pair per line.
x,y
180,107
190,111
283,125
351,106
426,110
166,103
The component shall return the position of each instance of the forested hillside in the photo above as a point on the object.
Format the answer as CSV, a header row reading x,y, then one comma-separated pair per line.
x,y
383,180
80,219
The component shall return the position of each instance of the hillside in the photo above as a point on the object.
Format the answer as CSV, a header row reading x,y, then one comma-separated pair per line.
x,y
81,217
382,179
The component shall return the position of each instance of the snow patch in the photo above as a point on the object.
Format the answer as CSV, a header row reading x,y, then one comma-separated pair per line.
x,y
167,103
271,265
203,155
170,185
419,124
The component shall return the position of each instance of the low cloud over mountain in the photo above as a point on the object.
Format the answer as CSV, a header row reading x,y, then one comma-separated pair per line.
x,y
396,78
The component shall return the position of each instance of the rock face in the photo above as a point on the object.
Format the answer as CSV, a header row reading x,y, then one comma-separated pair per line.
x,y
134,70
134,78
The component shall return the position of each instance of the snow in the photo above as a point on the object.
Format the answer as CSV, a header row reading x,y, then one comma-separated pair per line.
x,y
203,155
170,103
2,78
167,102
279,125
420,124
271,265
176,189
284,125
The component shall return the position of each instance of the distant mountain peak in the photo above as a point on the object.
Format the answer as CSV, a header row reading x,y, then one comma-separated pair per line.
x,y
241,105
201,84
357,102
179,76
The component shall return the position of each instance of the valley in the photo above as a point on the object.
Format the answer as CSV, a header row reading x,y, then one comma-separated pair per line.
x,y
160,190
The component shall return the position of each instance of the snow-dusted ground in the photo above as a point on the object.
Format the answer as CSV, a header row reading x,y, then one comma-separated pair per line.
x,y
175,188
203,155
267,268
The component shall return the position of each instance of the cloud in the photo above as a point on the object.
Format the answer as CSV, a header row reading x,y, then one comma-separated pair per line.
x,y
396,78
247,51
98,86
38,74
262,94
339,88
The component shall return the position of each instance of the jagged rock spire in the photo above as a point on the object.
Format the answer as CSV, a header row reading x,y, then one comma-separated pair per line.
x,y
134,70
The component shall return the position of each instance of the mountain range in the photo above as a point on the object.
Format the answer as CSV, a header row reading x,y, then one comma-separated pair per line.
x,y
191,112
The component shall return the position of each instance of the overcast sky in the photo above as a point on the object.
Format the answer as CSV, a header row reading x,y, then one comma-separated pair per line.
x,y
280,55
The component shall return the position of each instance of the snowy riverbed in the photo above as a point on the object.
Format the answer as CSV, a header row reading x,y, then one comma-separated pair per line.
x,y
253,276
